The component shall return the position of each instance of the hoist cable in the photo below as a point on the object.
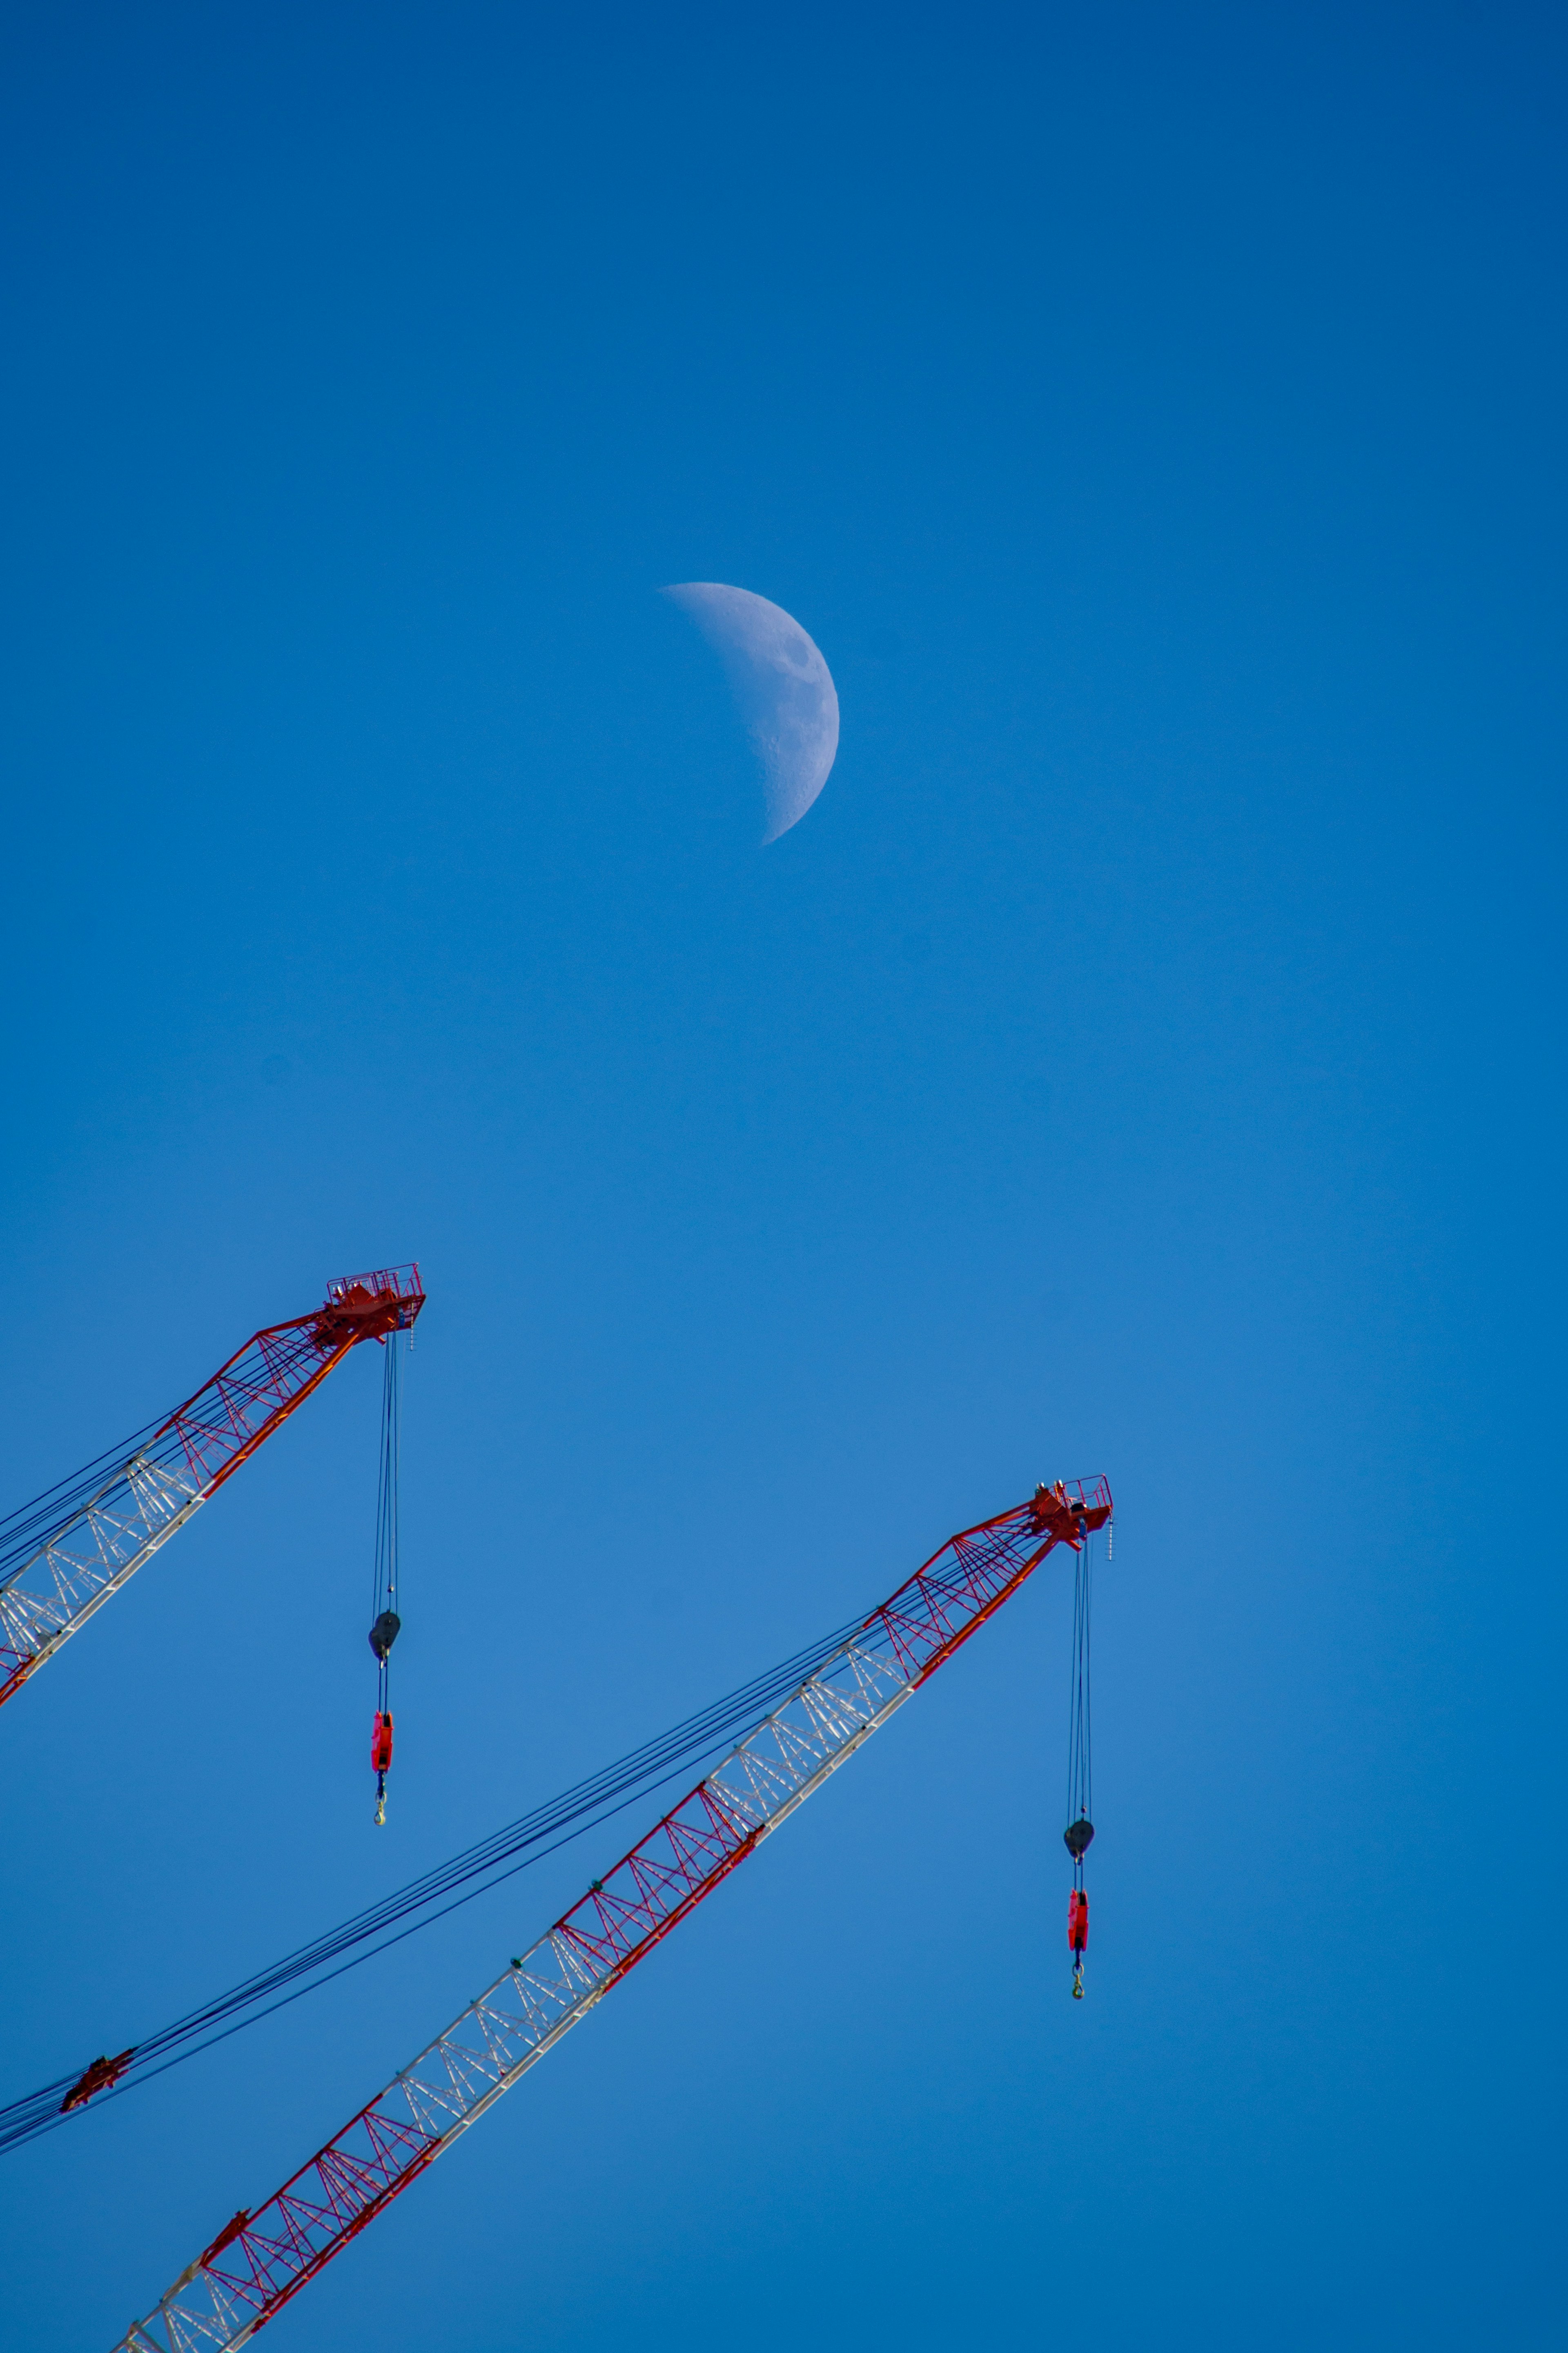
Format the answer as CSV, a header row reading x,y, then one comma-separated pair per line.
x,y
384,1594
1081,1772
386,1623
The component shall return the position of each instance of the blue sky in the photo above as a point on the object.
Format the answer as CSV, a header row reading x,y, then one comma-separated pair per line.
x,y
1144,1058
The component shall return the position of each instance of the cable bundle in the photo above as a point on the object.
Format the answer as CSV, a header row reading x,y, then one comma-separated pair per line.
x,y
426,1899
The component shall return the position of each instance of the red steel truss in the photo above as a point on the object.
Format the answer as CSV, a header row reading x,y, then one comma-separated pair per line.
x,y
260,2259
128,1510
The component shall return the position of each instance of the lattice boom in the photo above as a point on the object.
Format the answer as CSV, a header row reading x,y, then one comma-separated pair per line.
x,y
261,2260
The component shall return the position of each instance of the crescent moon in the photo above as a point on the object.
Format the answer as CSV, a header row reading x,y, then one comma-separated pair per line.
x,y
783,686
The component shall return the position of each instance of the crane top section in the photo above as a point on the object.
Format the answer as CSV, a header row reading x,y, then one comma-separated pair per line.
x,y
367,1307
1070,1509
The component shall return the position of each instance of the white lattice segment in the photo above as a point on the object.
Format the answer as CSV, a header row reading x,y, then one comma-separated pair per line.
x,y
50,1595
77,1571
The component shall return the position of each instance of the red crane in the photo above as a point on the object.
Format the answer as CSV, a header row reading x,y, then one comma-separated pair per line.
x,y
263,2256
64,1556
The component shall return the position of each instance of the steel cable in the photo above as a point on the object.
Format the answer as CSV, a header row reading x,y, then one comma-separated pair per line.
x,y
475,1870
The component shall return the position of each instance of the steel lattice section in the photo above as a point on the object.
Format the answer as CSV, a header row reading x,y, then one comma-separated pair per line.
x,y
261,2261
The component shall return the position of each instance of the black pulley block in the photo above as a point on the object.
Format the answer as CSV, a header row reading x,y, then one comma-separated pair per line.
x,y
383,1633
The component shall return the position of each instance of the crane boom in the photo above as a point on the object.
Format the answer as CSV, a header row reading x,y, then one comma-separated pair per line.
x,y
115,1517
260,2259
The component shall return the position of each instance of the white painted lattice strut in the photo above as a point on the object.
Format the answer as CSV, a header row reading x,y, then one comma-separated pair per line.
x,y
54,1594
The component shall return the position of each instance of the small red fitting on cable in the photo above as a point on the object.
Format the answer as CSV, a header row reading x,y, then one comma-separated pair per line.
x,y
100,2076
1077,1937
381,1761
